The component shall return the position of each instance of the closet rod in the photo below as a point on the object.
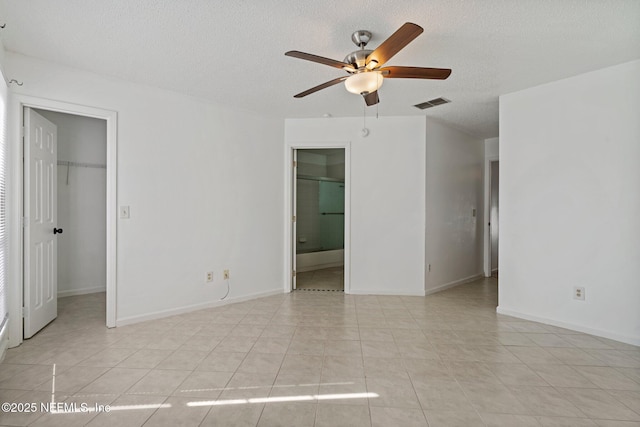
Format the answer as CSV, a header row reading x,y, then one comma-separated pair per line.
x,y
81,164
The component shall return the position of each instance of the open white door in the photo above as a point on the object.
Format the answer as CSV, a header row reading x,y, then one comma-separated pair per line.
x,y
40,212
294,210
494,215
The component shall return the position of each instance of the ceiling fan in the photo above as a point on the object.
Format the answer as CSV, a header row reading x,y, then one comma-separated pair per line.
x,y
364,66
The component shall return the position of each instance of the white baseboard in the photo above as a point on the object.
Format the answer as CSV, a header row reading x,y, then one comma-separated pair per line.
x,y
453,284
195,307
4,340
82,291
633,340
385,293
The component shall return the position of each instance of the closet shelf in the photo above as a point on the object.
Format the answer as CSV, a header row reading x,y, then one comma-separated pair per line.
x,y
81,164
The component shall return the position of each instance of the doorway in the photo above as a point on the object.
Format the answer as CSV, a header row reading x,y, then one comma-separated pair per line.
x,y
21,104
319,225
494,217
324,256
78,244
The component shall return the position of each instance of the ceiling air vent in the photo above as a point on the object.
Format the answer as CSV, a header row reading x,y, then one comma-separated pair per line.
x,y
432,103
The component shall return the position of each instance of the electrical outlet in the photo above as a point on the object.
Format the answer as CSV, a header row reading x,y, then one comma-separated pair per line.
x,y
578,293
226,274
209,276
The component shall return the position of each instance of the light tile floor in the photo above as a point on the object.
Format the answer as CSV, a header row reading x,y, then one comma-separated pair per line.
x,y
325,279
325,359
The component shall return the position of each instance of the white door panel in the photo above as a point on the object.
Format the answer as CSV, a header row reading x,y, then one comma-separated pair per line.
x,y
40,211
494,214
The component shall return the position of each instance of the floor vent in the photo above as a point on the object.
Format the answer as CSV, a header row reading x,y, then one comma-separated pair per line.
x,y
432,103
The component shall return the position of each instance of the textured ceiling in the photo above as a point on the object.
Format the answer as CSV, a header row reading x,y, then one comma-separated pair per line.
x,y
232,51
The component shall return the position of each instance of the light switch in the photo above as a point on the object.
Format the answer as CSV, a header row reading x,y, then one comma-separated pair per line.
x,y
124,212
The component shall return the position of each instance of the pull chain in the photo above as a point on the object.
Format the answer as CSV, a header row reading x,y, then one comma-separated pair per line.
x,y
364,116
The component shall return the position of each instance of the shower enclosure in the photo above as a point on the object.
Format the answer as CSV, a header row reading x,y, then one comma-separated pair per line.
x,y
320,214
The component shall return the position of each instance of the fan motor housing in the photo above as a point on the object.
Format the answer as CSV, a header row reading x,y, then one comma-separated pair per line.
x,y
358,58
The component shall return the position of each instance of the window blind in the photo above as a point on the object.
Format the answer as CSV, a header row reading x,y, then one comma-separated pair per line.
x,y
4,246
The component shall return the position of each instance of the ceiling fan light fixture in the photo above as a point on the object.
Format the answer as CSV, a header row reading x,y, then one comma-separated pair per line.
x,y
364,83
363,65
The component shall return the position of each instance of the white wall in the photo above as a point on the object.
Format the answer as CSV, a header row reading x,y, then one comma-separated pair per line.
x,y
491,147
570,202
387,198
312,164
454,188
183,168
81,204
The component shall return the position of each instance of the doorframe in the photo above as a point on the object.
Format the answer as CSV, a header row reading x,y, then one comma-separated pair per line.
x,y
288,207
16,197
487,213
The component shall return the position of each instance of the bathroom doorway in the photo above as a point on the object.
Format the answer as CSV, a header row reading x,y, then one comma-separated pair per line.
x,y
319,226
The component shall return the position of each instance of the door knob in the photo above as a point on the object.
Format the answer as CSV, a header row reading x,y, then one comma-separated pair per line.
x,y
57,230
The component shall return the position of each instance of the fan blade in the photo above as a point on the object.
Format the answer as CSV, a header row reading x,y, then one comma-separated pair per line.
x,y
415,73
371,98
393,44
320,60
320,87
